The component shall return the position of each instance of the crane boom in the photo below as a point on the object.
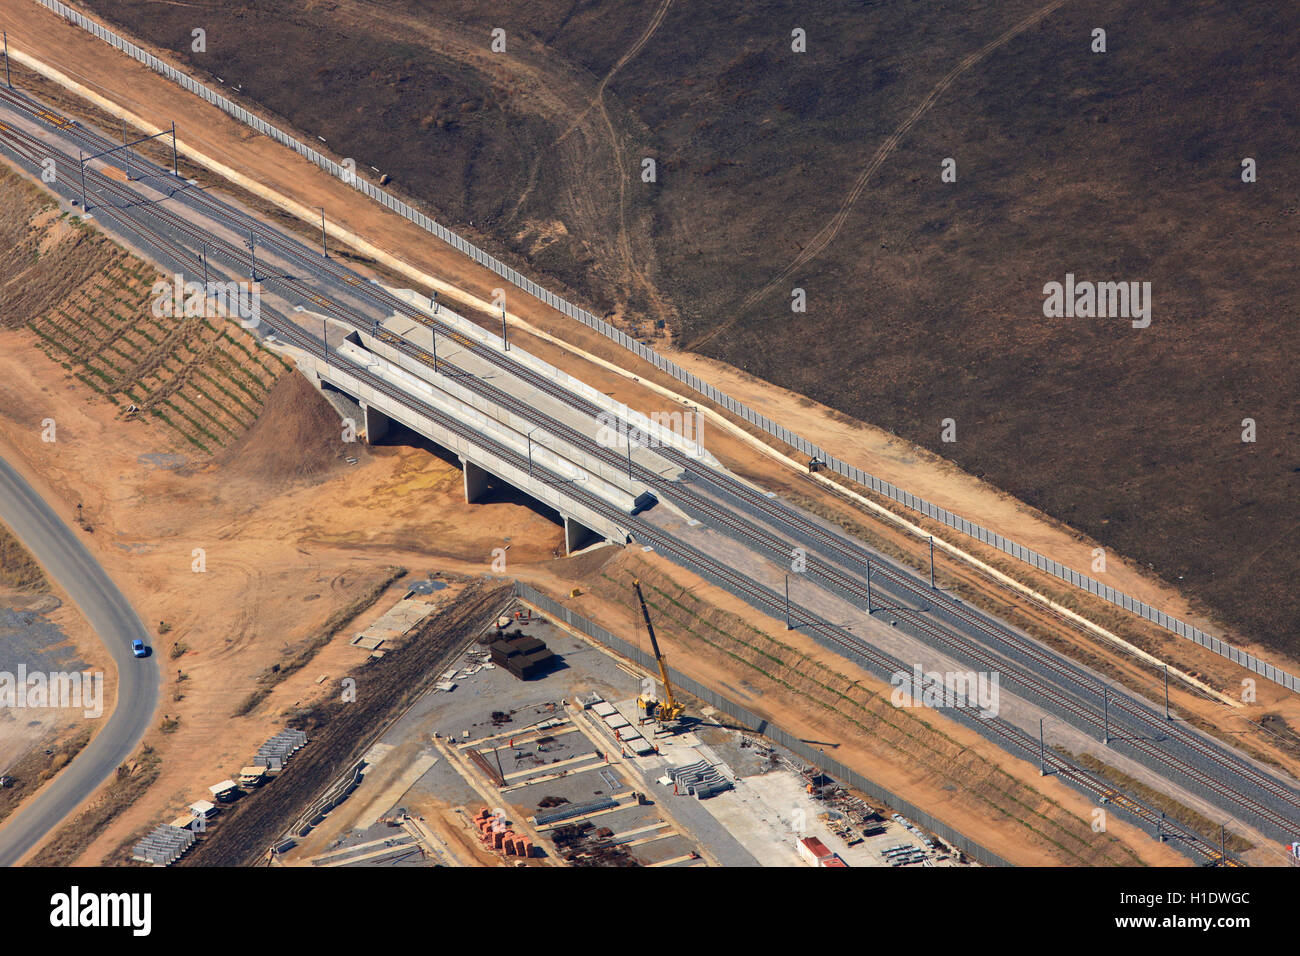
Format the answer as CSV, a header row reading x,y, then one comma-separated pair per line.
x,y
670,709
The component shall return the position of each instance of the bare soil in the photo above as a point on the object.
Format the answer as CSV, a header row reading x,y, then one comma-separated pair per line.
x,y
334,533
297,437
215,136
18,569
339,731
925,297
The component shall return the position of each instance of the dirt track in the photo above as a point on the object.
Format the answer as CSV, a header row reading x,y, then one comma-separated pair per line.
x,y
928,303
216,135
339,732
900,462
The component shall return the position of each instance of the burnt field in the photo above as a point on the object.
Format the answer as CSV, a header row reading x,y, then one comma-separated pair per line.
x,y
821,170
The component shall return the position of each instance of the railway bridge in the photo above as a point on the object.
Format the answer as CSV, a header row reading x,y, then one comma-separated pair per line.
x,y
440,372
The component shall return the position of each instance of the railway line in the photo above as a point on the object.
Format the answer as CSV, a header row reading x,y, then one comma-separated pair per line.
x,y
1116,729
834,577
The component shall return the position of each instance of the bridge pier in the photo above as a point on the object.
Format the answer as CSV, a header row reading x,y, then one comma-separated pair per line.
x,y
381,412
376,423
577,536
476,480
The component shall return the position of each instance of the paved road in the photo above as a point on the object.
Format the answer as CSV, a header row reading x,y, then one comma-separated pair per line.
x,y
60,550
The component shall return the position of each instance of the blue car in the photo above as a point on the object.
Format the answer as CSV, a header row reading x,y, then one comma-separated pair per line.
x,y
138,648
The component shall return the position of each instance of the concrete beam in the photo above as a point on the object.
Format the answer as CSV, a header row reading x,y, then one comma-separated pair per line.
x,y
376,423
553,494
476,480
545,441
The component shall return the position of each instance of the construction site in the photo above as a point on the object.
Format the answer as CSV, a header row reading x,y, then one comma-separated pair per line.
x,y
572,756
432,563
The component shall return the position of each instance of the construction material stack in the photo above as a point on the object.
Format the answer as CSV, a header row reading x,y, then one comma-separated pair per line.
x,y
497,835
525,657
700,779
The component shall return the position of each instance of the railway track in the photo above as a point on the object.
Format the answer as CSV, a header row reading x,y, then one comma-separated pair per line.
x,y
1086,717
35,150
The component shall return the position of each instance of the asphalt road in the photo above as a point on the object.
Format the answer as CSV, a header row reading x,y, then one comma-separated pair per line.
x,y
65,558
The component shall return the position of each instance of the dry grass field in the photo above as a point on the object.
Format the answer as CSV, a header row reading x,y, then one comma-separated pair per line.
x,y
18,570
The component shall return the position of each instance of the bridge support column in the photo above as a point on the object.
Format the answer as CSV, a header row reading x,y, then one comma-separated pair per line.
x,y
376,423
577,536
476,481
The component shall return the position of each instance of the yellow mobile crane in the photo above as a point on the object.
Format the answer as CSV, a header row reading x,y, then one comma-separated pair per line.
x,y
667,710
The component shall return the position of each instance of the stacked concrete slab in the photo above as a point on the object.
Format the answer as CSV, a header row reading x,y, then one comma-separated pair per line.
x,y
618,726
574,810
275,753
700,779
637,744
164,845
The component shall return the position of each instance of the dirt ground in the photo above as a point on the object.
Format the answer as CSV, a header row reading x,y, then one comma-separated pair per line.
x,y
282,553
924,296
209,133
303,185
239,620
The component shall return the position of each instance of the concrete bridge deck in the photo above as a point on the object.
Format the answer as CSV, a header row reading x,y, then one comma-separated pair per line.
x,y
442,371
553,462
